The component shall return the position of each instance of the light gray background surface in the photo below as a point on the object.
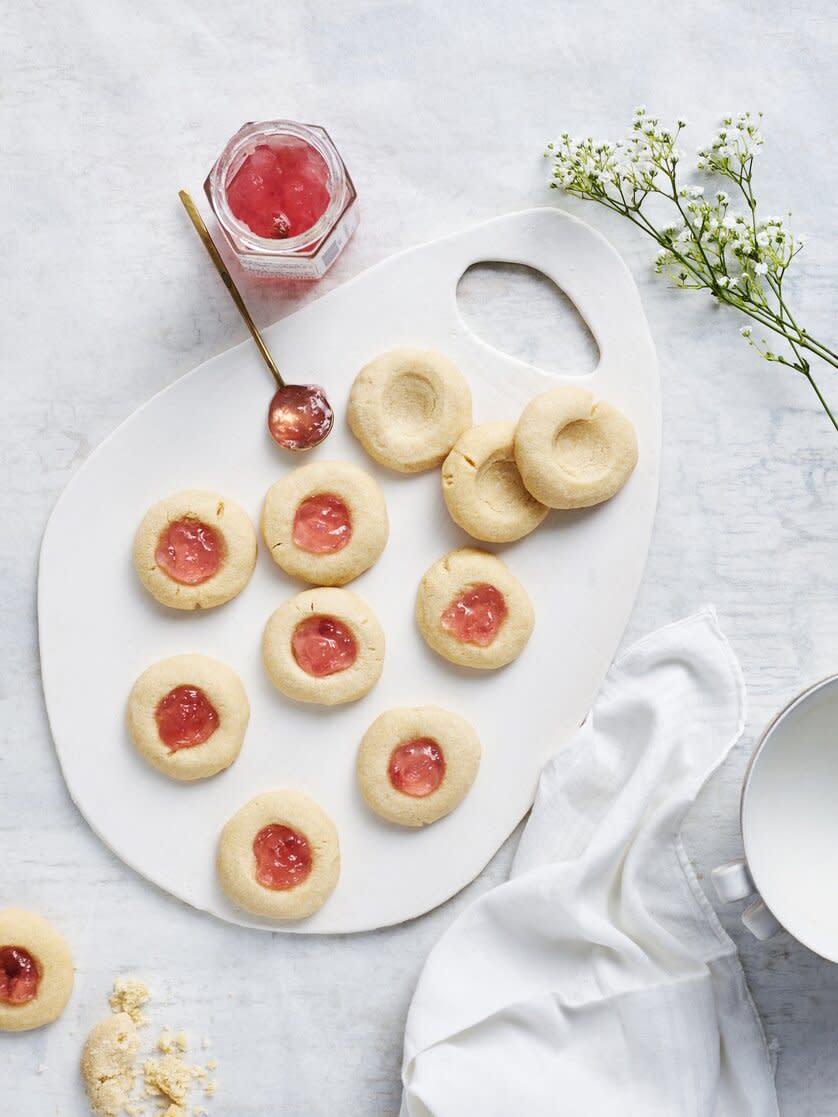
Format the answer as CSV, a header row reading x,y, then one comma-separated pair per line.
x,y
441,111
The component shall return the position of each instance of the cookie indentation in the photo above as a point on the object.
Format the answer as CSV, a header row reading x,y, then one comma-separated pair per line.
x,y
189,552
185,718
19,975
323,646
283,857
322,524
476,616
582,450
410,400
416,767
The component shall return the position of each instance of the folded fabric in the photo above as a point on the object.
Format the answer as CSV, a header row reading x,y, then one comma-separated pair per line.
x,y
598,980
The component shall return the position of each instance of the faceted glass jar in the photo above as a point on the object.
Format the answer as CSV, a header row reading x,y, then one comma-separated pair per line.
x,y
309,254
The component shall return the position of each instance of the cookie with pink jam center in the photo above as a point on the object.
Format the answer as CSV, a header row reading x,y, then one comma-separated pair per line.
x,y
475,617
189,552
19,975
322,524
283,857
473,611
323,646
185,718
279,856
416,767
416,763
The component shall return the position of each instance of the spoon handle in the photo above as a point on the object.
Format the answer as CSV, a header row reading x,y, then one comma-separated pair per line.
x,y
235,295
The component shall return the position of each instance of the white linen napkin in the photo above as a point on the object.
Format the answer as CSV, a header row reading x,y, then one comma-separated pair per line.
x,y
598,980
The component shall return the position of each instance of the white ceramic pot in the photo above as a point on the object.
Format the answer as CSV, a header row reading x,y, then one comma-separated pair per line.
x,y
789,820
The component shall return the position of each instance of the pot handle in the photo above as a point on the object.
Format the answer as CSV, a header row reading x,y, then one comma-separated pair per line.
x,y
732,881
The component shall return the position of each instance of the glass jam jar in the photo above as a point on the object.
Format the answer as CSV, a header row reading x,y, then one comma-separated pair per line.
x,y
284,198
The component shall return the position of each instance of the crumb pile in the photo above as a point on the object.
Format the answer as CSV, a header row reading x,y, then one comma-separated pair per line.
x,y
109,1064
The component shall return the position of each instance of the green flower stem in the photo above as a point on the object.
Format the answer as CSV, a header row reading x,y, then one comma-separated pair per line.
x,y
740,258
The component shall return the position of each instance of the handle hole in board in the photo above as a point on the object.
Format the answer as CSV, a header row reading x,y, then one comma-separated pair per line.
x,y
521,312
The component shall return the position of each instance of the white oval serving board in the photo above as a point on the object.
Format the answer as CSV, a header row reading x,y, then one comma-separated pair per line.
x,y
99,629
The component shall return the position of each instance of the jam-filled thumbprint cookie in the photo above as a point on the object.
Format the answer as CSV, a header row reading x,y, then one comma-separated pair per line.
x,y
325,646
416,764
473,611
36,971
195,550
279,856
408,407
325,522
574,452
187,716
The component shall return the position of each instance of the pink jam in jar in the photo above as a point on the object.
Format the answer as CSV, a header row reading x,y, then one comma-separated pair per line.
x,y
284,198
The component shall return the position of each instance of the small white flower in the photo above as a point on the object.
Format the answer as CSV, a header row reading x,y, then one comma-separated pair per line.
x,y
761,268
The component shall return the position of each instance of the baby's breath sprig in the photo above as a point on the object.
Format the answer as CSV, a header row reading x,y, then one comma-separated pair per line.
x,y
740,258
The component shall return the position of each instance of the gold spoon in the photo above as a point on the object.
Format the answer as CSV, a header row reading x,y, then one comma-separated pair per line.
x,y
299,415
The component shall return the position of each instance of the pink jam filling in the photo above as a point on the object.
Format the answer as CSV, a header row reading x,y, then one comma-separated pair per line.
x,y
417,767
475,616
280,189
283,857
322,524
189,552
300,416
185,718
323,646
19,975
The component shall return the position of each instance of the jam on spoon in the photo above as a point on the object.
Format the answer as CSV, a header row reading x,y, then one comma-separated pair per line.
x,y
299,416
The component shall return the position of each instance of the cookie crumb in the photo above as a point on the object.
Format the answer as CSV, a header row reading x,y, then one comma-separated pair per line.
x,y
129,995
174,1111
210,1089
180,1041
40,1068
211,1064
205,1042
107,1064
170,1077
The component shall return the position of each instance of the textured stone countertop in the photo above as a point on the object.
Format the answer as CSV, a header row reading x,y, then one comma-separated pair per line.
x,y
441,110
